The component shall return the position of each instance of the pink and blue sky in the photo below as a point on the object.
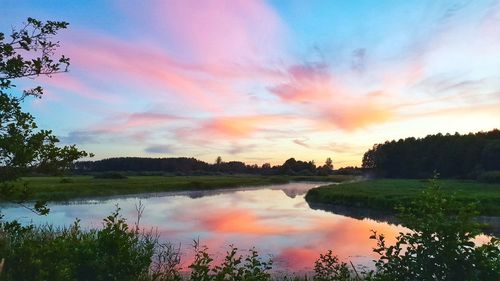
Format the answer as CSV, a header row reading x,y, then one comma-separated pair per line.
x,y
262,81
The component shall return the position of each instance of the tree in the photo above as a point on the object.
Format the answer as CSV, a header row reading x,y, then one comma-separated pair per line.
x,y
218,160
463,156
266,166
329,163
29,53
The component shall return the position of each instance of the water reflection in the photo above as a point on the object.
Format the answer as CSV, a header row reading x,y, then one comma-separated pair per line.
x,y
275,219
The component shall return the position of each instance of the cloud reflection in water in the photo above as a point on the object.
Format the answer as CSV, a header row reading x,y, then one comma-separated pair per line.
x,y
274,219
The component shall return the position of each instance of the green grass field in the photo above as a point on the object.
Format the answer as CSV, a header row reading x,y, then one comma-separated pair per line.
x,y
60,189
385,194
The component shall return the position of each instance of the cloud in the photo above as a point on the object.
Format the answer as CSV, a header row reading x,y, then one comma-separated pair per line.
x,y
68,83
227,76
229,128
341,147
329,103
358,60
301,143
80,137
355,115
123,127
239,148
220,30
306,83
161,149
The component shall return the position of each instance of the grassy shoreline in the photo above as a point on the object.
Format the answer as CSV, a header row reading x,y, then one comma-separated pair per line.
x,y
75,187
385,194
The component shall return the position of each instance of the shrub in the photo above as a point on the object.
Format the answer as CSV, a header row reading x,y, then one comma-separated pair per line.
x,y
328,267
440,245
114,252
234,267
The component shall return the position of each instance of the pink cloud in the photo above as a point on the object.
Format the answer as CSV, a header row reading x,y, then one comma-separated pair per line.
x,y
140,66
330,103
307,84
67,82
161,76
220,30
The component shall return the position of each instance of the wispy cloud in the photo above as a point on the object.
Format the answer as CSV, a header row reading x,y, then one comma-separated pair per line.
x,y
160,149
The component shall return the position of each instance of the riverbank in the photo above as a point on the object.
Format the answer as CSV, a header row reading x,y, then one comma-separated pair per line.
x,y
67,188
385,194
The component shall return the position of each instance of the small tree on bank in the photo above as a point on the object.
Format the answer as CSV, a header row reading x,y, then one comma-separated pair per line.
x,y
329,164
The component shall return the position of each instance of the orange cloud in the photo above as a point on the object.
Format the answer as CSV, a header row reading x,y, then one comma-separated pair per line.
x,y
355,115
329,103
230,128
233,127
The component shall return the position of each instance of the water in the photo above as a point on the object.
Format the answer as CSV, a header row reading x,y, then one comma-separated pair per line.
x,y
275,219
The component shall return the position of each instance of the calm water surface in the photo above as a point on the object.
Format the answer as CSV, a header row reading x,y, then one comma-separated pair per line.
x,y
275,219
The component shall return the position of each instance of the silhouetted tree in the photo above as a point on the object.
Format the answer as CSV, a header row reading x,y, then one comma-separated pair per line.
x,y
456,155
292,166
329,163
28,53
218,160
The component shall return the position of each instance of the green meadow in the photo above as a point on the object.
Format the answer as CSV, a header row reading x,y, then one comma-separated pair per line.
x,y
67,188
386,194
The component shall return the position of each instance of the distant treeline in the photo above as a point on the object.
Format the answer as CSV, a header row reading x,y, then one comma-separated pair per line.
x,y
459,156
192,166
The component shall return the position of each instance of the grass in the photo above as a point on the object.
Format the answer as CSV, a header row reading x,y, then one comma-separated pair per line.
x,y
385,194
62,189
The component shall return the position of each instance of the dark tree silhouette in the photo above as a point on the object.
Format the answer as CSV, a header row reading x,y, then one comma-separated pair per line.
x,y
461,156
28,53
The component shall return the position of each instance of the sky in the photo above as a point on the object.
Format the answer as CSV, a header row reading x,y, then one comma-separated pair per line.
x,y
263,81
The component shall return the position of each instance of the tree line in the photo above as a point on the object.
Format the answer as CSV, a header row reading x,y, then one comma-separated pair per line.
x,y
452,156
185,165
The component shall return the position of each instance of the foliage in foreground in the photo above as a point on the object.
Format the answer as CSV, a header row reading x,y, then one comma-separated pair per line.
x,y
114,252
29,52
439,247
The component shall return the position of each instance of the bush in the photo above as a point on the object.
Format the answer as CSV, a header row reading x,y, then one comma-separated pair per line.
x,y
328,267
114,252
440,245
490,177
234,267
114,176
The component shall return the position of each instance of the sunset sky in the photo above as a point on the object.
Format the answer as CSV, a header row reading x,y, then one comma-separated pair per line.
x,y
263,81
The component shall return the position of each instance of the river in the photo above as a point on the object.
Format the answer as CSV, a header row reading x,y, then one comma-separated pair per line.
x,y
275,219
